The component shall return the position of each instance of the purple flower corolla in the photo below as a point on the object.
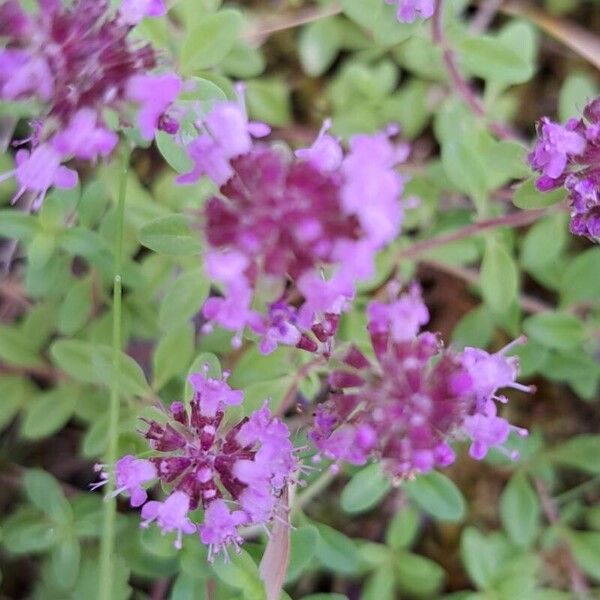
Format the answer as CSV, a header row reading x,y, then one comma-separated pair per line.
x,y
419,397
220,528
130,474
23,75
410,10
403,317
204,462
131,12
212,394
554,147
569,156
171,515
280,216
154,94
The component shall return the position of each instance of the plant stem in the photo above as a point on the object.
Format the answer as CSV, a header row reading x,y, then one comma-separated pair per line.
x,y
313,490
110,509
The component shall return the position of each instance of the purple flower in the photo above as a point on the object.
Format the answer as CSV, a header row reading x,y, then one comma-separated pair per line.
x,y
555,145
130,474
213,394
133,11
402,318
205,463
220,528
154,93
419,397
280,216
409,10
171,515
39,171
569,156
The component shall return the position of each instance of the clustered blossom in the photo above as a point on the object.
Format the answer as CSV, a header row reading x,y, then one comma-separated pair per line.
x,y
410,10
569,156
235,473
280,216
75,62
417,398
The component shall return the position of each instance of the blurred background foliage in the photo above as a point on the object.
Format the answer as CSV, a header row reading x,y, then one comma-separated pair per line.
x,y
499,530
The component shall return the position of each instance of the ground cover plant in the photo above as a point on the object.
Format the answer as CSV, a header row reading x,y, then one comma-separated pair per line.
x,y
299,299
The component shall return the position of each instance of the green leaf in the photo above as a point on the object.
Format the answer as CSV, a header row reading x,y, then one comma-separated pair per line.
x,y
490,58
48,413
403,528
303,542
27,532
14,393
380,585
319,45
172,354
325,597
16,350
437,495
187,587
577,90
483,556
76,307
520,510
417,575
64,559
544,242
209,40
560,331
44,492
529,198
170,235
580,281
365,490
475,328
17,225
499,277
174,153
581,452
92,363
184,298
336,551
241,573
269,100
585,545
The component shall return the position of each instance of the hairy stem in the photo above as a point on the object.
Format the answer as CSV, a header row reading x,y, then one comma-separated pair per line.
x,y
110,510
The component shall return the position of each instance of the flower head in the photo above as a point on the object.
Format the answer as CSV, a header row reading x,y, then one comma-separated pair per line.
x,y
206,463
405,410
569,156
410,10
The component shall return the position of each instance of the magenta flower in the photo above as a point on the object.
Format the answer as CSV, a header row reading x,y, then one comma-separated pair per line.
x,y
220,528
410,10
280,216
555,145
171,515
569,156
206,463
130,474
419,397
132,12
53,57
155,94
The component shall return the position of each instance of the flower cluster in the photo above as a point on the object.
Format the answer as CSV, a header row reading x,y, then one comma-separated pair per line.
x,y
410,10
235,473
76,62
569,156
281,216
416,398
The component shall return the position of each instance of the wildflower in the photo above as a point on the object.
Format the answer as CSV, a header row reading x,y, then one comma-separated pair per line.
x,y
205,463
569,156
52,58
171,515
410,10
131,12
419,396
283,216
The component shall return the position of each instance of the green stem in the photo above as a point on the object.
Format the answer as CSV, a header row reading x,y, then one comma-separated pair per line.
x,y
110,510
